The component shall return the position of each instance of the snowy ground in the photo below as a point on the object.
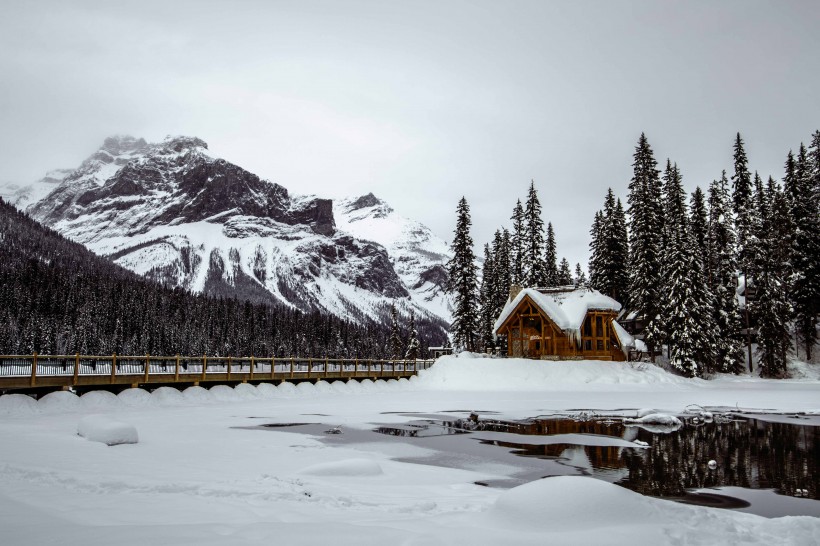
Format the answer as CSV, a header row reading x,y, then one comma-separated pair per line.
x,y
200,475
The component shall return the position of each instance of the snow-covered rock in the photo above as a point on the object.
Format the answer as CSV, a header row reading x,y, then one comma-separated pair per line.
x,y
99,428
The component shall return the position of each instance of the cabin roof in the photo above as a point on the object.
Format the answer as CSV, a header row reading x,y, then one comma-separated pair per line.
x,y
566,307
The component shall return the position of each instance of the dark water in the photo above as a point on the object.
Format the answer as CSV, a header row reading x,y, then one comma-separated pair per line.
x,y
747,453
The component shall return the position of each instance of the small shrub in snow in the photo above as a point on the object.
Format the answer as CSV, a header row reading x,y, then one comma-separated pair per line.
x,y
99,428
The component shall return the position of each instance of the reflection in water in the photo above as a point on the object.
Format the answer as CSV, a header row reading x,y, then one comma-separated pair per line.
x,y
749,453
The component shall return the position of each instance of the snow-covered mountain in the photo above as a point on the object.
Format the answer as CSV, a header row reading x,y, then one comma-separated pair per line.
x,y
172,212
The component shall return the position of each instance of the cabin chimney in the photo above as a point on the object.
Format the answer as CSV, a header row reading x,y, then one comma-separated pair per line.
x,y
514,290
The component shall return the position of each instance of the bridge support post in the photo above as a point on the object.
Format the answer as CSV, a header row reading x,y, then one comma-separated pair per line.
x,y
34,369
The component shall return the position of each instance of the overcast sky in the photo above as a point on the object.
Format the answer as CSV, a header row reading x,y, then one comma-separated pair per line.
x,y
419,102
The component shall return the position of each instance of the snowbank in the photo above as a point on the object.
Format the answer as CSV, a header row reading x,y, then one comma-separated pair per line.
x,y
18,404
198,395
135,398
347,467
509,374
100,400
59,402
99,428
167,396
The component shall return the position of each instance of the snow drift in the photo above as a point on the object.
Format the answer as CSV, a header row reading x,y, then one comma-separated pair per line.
x,y
99,428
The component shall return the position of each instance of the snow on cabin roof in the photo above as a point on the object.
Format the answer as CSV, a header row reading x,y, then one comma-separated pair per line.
x,y
566,307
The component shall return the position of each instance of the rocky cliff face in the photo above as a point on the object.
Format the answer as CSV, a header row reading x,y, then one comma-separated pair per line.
x,y
172,212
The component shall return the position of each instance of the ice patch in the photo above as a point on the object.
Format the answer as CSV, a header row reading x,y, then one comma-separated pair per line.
x,y
99,428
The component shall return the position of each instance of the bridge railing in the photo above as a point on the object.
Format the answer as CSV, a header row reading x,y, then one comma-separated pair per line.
x,y
67,370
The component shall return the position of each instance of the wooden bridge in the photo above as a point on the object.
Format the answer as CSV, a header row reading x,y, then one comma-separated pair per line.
x,y
82,372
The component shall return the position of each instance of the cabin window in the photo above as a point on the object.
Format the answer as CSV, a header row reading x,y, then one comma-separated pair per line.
x,y
600,345
599,326
537,346
588,345
533,322
587,327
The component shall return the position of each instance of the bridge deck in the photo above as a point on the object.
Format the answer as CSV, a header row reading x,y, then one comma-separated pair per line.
x,y
27,372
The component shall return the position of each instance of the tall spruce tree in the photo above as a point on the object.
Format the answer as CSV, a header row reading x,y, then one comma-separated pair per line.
x,y
413,344
487,298
770,308
501,262
463,282
612,249
805,247
722,280
596,244
517,245
395,335
534,266
551,258
644,231
686,322
741,203
700,227
580,278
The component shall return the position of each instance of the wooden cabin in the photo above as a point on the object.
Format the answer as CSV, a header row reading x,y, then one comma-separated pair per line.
x,y
562,323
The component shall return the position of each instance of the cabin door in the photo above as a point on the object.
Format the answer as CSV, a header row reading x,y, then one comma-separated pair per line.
x,y
533,340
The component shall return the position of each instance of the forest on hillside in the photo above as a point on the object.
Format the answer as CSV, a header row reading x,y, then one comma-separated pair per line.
x,y
57,297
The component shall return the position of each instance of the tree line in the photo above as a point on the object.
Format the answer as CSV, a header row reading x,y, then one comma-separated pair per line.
x,y
697,270
57,297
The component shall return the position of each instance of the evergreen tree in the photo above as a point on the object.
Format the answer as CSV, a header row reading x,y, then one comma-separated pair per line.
x,y
564,274
610,254
686,323
463,283
580,279
501,263
517,245
413,344
771,306
488,298
596,243
644,230
395,336
551,258
805,245
699,221
742,203
535,271
722,280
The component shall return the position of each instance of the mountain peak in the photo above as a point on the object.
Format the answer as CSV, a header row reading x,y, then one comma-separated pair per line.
x,y
365,202
118,144
180,143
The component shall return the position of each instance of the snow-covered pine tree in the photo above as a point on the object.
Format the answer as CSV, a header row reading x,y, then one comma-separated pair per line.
x,y
687,321
463,283
771,306
535,271
741,203
551,258
580,278
501,262
413,344
395,336
487,298
644,231
596,241
805,246
613,277
722,280
564,273
699,222
517,245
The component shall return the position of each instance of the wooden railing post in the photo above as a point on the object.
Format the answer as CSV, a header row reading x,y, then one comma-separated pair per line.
x,y
272,367
310,365
251,367
34,369
369,364
291,367
204,365
325,366
229,368
113,367
147,368
76,368
176,370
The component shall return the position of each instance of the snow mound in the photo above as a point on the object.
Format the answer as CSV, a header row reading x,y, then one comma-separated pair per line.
x,y
323,387
224,393
306,388
509,374
267,390
59,401
347,467
100,399
198,395
354,386
287,388
340,386
136,398
18,404
565,503
167,396
246,391
99,428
